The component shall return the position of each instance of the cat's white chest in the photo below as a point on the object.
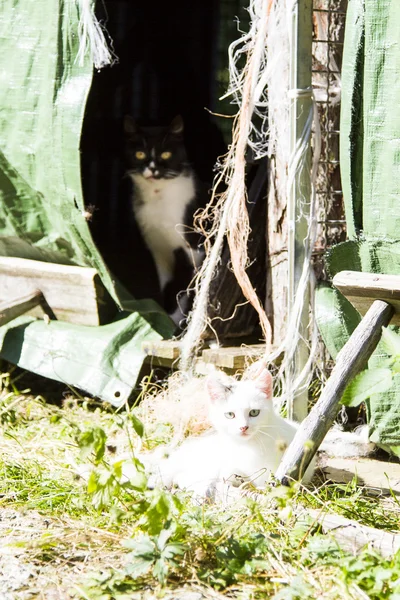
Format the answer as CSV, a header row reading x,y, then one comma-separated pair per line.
x,y
159,207
249,460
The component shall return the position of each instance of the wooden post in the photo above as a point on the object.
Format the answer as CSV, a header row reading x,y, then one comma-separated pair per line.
x,y
350,361
300,187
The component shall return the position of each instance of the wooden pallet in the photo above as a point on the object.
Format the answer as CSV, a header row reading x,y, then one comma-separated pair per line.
x,y
233,359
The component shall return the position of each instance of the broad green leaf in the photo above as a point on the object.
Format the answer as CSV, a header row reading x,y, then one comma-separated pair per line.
x,y
163,538
137,424
391,341
142,557
139,567
141,546
92,483
92,440
105,478
137,481
160,570
172,550
366,383
158,512
117,469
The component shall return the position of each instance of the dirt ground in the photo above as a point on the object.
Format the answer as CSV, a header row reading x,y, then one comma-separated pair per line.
x,y
31,569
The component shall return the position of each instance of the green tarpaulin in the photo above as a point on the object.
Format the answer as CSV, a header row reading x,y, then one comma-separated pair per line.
x,y
370,166
43,93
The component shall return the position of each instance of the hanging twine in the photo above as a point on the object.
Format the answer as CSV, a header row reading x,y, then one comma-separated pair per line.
x,y
228,211
261,88
92,40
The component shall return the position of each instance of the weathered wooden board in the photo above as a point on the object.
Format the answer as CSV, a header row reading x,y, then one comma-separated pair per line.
x,y
379,478
370,473
75,294
14,308
235,358
163,353
361,289
353,536
166,353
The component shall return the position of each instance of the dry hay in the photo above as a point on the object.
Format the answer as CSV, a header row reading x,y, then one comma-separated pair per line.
x,y
183,402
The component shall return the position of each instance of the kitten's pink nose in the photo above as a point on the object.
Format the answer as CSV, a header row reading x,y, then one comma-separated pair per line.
x,y
244,428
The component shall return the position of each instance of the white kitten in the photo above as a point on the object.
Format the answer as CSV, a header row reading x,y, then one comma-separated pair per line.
x,y
249,440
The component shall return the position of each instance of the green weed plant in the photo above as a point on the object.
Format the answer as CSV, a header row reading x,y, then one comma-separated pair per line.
x,y
152,543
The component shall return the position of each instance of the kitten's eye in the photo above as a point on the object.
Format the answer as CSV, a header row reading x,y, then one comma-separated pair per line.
x,y
230,415
140,155
254,413
166,155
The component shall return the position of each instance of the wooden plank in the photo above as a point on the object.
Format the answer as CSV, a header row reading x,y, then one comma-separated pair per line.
x,y
362,289
235,358
350,361
170,350
370,473
353,536
19,306
75,294
166,353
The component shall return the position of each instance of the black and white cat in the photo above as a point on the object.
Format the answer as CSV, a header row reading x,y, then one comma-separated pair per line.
x,y
165,198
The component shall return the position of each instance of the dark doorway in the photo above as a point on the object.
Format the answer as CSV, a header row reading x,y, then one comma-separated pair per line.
x,y
172,59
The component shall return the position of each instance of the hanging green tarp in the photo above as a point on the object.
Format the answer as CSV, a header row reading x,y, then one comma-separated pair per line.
x,y
370,167
43,93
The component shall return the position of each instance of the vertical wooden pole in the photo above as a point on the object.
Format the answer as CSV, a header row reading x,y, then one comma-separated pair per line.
x,y
299,193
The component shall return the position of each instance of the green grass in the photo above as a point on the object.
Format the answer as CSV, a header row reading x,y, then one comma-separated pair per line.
x,y
96,537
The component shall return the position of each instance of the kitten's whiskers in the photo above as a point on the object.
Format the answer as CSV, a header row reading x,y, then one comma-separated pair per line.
x,y
266,434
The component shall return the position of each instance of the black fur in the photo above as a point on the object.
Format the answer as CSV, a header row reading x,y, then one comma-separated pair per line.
x,y
146,149
161,140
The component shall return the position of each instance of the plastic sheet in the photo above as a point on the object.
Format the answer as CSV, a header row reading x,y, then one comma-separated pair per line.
x,y
370,166
43,94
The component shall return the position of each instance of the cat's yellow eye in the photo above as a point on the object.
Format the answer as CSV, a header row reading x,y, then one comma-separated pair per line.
x,y
166,155
230,415
254,413
140,155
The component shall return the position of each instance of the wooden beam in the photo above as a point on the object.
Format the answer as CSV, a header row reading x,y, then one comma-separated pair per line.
x,y
163,353
350,361
18,306
353,536
234,358
362,289
169,349
378,476
75,294
166,353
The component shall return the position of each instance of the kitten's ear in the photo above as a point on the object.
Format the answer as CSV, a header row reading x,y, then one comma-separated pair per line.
x,y
264,382
216,390
176,126
129,124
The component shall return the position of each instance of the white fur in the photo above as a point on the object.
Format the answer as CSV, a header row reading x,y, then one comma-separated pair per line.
x,y
159,212
348,444
244,446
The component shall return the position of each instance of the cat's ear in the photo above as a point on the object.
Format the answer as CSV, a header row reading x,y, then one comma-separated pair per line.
x,y
176,126
129,125
264,382
216,390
